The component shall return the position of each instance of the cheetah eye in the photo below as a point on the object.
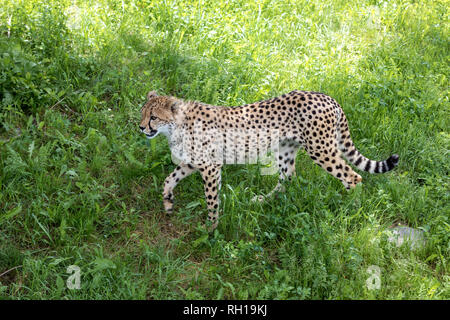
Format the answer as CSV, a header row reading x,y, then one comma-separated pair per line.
x,y
152,118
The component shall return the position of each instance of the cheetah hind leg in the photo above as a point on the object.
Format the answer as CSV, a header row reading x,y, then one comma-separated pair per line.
x,y
336,166
286,169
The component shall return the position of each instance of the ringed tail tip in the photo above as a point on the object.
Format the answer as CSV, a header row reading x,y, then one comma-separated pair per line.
x,y
392,161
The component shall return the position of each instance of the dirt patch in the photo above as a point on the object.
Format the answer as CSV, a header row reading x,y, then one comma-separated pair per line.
x,y
9,276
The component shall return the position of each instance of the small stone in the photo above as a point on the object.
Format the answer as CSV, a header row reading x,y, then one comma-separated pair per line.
x,y
401,234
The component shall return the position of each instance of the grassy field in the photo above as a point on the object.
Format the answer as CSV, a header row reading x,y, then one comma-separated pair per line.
x,y
80,185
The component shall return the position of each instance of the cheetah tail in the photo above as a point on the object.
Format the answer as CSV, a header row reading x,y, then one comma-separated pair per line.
x,y
345,144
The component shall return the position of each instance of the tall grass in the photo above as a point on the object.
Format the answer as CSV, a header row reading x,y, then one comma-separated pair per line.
x,y
80,186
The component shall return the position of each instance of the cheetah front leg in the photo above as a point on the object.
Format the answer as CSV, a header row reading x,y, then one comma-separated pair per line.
x,y
211,175
181,171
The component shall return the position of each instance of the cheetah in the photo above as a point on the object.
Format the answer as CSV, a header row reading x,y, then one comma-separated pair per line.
x,y
205,137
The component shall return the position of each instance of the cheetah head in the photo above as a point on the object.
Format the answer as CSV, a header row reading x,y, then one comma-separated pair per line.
x,y
158,115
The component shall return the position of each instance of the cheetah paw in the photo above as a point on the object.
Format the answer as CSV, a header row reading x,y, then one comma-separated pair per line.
x,y
259,198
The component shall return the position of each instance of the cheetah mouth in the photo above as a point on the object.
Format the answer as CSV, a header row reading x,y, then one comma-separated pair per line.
x,y
152,134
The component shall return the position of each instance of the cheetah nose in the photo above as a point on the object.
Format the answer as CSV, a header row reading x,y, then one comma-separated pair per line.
x,y
142,128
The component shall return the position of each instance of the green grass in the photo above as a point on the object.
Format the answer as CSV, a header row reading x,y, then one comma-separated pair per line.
x,y
79,184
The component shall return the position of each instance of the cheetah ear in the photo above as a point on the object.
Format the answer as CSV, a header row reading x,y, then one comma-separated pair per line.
x,y
174,106
151,94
